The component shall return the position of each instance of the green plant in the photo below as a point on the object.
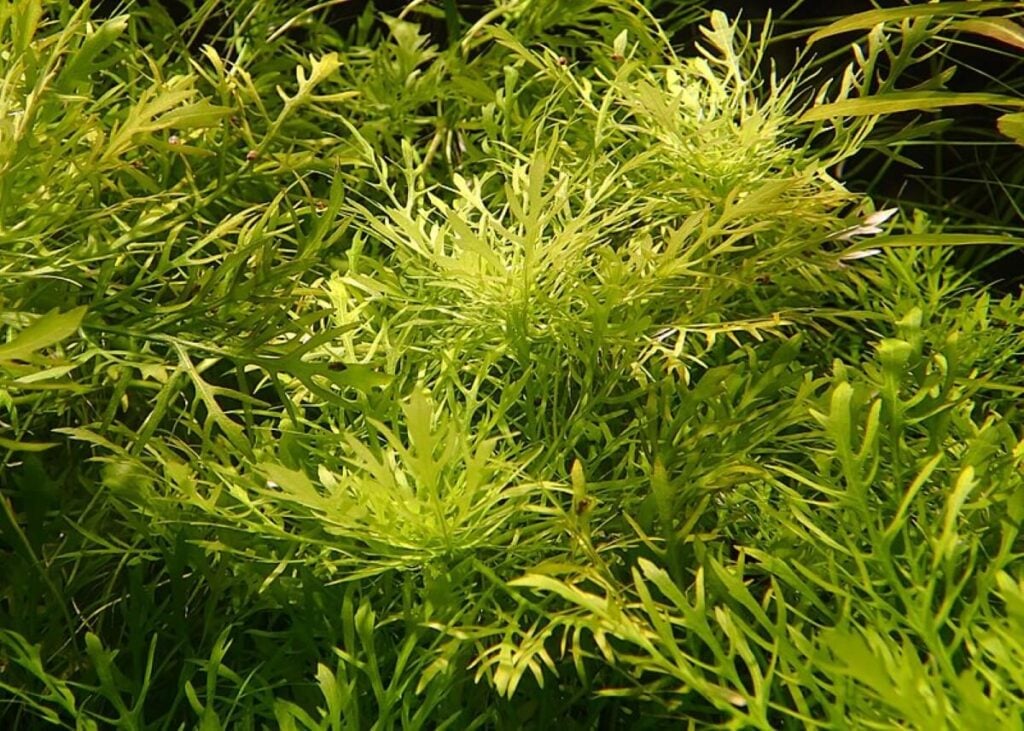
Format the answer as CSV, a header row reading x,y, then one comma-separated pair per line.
x,y
536,375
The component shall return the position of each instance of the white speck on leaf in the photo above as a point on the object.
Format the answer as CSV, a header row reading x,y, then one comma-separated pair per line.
x,y
862,254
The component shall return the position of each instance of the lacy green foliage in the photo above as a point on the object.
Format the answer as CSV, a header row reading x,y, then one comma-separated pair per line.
x,y
540,378
862,585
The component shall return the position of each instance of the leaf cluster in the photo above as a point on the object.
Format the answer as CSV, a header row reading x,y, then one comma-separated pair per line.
x,y
539,377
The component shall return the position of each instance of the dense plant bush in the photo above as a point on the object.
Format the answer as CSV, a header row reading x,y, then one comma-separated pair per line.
x,y
540,371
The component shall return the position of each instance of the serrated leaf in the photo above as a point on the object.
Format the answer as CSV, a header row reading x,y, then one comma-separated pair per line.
x,y
208,394
321,69
661,579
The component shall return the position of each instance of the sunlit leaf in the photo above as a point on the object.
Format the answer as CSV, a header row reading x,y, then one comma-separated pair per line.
x,y
905,101
1012,125
871,18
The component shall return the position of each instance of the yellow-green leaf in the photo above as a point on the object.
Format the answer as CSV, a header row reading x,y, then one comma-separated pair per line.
x,y
200,114
871,18
1003,30
905,101
966,481
26,17
592,602
16,446
49,329
83,62
945,240
293,484
418,414
1012,125
321,69
47,374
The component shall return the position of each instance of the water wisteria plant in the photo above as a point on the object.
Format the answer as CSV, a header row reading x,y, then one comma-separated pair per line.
x,y
502,367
